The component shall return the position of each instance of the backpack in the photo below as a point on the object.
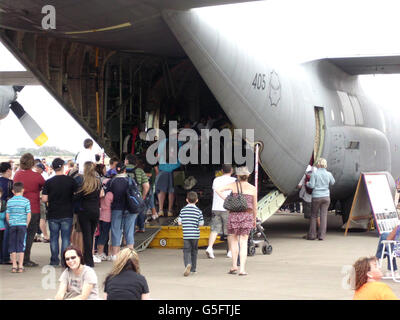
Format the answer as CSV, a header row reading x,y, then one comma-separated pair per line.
x,y
308,177
134,201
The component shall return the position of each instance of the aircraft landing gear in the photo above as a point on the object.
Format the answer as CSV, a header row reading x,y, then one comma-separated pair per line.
x,y
346,208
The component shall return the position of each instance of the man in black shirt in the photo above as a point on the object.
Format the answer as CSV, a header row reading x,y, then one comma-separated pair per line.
x,y
58,191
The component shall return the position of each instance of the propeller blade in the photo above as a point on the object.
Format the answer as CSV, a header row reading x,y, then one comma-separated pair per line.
x,y
30,125
18,88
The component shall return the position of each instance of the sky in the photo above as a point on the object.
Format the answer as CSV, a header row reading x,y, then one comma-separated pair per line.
x,y
62,130
296,30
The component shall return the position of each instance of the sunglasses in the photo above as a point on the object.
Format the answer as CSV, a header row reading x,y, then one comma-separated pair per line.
x,y
70,258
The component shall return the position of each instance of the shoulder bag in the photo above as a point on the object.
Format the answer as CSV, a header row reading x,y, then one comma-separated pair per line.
x,y
236,203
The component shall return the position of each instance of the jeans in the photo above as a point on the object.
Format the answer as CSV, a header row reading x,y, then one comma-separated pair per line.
x,y
190,253
384,236
122,222
141,218
56,226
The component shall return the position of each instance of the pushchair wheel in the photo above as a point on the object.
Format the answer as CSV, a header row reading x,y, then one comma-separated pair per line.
x,y
267,249
251,251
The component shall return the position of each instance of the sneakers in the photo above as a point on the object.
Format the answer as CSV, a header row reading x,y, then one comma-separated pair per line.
x,y
210,253
113,258
161,214
43,239
187,270
30,264
229,254
96,259
170,214
102,256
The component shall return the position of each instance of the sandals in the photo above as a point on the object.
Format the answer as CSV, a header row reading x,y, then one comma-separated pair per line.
x,y
232,271
17,270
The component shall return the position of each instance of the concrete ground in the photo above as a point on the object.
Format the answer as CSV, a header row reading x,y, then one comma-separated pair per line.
x,y
296,270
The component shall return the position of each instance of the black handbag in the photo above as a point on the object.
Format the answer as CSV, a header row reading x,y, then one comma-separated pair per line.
x,y
236,203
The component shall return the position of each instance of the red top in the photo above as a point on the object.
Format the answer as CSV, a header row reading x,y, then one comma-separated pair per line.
x,y
33,183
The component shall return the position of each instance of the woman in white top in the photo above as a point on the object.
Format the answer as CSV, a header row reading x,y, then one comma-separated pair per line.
x,y
77,282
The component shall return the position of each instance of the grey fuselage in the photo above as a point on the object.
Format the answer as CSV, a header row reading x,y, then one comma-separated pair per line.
x,y
278,101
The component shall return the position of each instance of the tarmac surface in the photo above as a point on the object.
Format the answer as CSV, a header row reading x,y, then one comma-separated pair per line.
x,y
297,269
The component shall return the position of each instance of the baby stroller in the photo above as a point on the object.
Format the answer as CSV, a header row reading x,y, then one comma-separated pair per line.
x,y
257,237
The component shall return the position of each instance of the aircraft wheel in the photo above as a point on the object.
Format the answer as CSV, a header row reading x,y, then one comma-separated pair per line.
x,y
346,207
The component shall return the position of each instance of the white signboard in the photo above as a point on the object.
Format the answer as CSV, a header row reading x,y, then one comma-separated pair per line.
x,y
381,201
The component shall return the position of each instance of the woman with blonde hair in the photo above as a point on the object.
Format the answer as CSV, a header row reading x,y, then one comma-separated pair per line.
x,y
320,181
367,285
240,223
89,212
125,282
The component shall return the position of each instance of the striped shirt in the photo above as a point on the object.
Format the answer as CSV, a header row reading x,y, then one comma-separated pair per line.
x,y
18,208
191,218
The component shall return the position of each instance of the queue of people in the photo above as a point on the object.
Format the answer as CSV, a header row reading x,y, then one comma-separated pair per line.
x,y
95,198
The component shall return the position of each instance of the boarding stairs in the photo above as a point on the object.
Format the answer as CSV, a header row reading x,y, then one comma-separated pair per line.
x,y
143,240
270,204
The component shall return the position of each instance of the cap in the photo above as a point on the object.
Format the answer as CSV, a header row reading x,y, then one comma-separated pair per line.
x,y
41,166
242,171
57,163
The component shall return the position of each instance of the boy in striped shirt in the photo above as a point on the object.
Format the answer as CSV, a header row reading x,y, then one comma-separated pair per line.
x,y
18,215
190,218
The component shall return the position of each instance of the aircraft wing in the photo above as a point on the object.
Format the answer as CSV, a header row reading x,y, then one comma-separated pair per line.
x,y
133,26
368,64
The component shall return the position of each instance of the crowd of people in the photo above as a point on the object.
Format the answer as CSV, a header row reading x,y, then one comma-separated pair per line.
x,y
87,198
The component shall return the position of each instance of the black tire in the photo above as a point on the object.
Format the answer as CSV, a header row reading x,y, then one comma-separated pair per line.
x,y
251,251
346,208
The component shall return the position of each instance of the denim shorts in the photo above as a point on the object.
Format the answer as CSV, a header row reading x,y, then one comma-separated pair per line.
x,y
122,222
17,239
165,182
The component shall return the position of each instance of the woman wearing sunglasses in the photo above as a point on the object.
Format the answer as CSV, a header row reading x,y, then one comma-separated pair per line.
x,y
78,281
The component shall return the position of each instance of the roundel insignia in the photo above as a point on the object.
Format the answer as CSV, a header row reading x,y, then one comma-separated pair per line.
x,y
163,242
274,89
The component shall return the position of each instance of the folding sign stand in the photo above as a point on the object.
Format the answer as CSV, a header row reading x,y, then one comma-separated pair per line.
x,y
373,199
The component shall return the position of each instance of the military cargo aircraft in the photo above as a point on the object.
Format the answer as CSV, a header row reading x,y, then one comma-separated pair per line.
x,y
113,65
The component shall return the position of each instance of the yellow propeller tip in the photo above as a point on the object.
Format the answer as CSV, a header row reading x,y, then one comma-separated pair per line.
x,y
41,140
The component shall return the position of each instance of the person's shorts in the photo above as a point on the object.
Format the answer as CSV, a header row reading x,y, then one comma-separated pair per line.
x,y
42,210
219,222
17,239
165,182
